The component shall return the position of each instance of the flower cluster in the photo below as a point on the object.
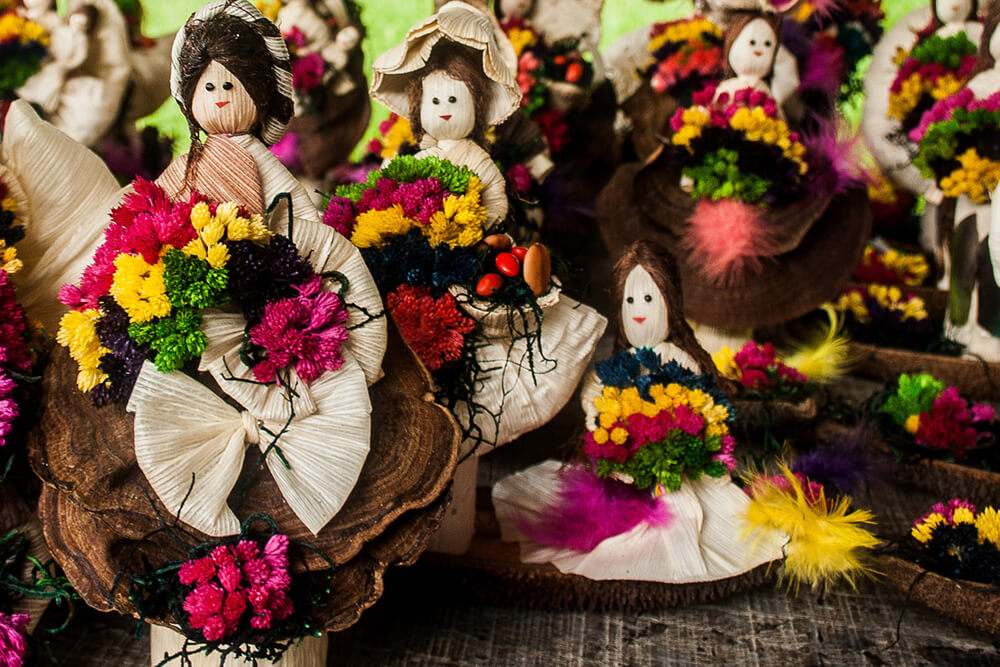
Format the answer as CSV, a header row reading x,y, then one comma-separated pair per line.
x,y
238,585
441,200
16,358
395,133
661,426
955,540
935,68
937,416
162,264
892,267
539,64
831,40
23,45
13,639
886,316
958,145
686,56
739,148
436,329
758,370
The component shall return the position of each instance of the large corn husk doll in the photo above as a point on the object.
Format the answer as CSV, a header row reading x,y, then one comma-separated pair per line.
x,y
522,357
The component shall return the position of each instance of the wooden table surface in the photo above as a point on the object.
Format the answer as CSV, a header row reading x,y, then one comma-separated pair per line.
x,y
766,626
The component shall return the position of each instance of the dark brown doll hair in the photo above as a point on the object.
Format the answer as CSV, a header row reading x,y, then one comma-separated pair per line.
x,y
238,46
660,265
985,61
740,20
936,21
459,62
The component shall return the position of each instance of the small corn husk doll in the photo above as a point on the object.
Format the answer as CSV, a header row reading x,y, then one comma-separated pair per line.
x,y
452,79
597,519
974,310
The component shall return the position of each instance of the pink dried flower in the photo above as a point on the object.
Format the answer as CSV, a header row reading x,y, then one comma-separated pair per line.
x,y
307,331
519,176
13,639
198,571
307,72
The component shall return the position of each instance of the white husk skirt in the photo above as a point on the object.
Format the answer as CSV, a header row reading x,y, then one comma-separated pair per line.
x,y
701,542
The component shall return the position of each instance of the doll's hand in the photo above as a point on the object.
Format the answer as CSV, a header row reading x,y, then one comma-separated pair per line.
x,y
687,183
934,195
348,37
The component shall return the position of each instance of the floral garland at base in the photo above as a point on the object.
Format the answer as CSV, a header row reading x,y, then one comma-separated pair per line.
x,y
955,540
656,429
935,417
892,267
888,317
235,596
757,369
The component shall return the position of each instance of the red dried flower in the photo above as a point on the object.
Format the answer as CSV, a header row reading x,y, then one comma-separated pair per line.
x,y
434,328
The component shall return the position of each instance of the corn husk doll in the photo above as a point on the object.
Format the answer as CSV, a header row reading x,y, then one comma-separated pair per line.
x,y
332,107
657,68
924,57
640,508
505,366
958,151
747,200
231,208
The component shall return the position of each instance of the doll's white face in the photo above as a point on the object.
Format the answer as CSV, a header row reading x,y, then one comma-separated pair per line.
x,y
644,310
516,7
994,47
447,110
37,5
752,53
221,105
952,11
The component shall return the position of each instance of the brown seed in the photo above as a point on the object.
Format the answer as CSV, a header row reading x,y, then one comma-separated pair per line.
x,y
499,242
537,269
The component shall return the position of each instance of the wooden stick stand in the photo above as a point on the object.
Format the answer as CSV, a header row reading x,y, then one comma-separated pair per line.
x,y
459,523
311,652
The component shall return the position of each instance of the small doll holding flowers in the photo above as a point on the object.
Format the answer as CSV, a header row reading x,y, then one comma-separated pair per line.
x,y
507,349
634,508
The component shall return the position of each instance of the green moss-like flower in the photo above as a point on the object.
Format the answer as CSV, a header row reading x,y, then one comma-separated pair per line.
x,y
176,339
914,395
192,282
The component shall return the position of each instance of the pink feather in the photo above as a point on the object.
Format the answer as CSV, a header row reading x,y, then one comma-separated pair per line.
x,y
824,69
837,156
727,238
589,510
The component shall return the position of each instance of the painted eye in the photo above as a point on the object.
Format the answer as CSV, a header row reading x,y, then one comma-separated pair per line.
x,y
209,87
630,300
435,101
767,43
228,85
452,99
649,298
753,42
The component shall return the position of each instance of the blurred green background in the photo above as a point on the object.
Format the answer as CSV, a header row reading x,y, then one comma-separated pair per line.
x,y
388,20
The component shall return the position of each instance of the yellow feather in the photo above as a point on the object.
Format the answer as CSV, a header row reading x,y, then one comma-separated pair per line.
x,y
826,542
825,355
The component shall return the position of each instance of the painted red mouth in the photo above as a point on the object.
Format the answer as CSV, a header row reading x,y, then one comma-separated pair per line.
x,y
221,104
640,320
448,117
758,53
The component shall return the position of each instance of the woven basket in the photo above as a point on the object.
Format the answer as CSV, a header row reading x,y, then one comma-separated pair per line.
x,y
491,572
974,378
943,479
969,603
